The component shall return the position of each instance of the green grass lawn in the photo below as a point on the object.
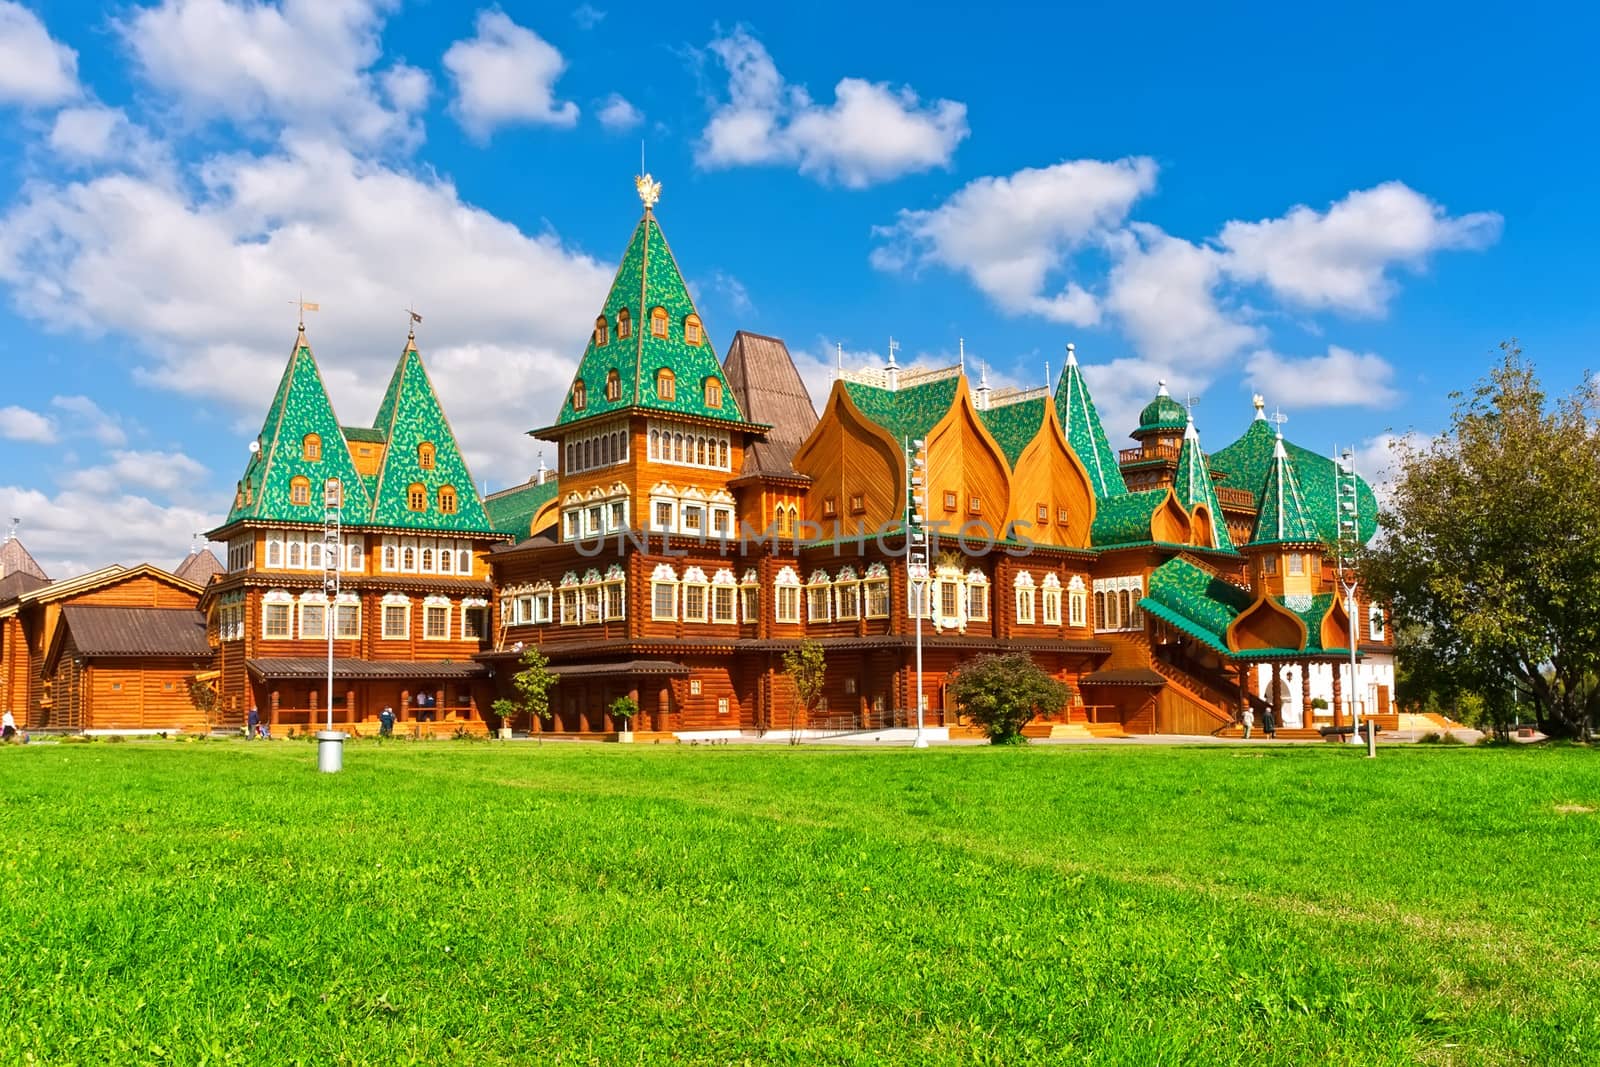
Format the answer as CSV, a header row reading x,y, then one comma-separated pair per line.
x,y
481,903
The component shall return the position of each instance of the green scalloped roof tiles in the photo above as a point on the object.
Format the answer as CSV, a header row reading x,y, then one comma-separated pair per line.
x,y
1282,518
299,407
1125,519
1195,601
410,416
1193,485
1014,425
1248,461
648,277
1163,413
511,511
1312,615
907,413
1080,421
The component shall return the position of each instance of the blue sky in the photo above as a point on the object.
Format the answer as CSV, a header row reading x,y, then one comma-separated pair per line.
x,y
1346,209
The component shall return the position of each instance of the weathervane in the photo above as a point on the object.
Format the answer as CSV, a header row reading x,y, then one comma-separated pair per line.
x,y
649,190
894,346
1280,418
305,305
416,320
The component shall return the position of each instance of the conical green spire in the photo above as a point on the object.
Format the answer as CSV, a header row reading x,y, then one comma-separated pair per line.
x,y
1080,422
1283,518
1193,485
421,450
300,408
646,279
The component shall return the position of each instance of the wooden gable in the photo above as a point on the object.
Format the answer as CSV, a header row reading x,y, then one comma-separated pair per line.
x,y
1049,475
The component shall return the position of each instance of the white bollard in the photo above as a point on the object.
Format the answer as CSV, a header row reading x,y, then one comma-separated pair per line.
x,y
330,751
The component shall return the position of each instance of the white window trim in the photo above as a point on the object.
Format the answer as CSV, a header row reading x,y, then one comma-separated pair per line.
x,y
394,600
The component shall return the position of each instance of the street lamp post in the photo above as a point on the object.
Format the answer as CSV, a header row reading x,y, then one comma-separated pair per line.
x,y
330,745
1346,501
916,559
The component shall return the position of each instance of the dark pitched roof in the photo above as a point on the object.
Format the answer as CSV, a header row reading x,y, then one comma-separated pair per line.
x,y
199,567
14,585
317,667
111,631
763,377
1124,676
15,559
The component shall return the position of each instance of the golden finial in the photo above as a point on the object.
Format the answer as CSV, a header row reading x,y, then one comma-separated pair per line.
x,y
649,190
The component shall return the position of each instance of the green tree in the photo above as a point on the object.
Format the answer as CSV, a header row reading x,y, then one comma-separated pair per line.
x,y
1491,560
532,684
1003,693
807,667
624,708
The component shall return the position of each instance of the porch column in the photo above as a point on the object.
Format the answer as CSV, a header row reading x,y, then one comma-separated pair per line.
x,y
405,705
350,712
1247,674
1274,688
272,706
1338,694
438,702
1305,694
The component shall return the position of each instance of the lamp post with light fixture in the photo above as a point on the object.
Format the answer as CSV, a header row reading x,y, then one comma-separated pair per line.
x,y
916,557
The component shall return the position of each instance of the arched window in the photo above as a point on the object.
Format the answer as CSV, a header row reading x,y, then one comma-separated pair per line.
x,y
600,332
693,334
417,497
777,520
722,455
658,322
427,561
425,454
580,398
311,447
613,385
713,389
1102,621
300,491
700,451
624,324
677,447
655,444
447,500
666,384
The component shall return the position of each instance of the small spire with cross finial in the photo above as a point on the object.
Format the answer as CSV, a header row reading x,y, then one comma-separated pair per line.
x,y
11,534
1047,374
894,346
838,356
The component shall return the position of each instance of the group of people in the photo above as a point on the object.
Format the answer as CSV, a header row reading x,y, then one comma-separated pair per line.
x,y
257,728
1269,725
9,732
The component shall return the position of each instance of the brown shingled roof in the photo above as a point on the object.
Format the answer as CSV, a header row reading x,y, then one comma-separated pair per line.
x,y
349,669
14,559
14,585
111,631
769,389
199,567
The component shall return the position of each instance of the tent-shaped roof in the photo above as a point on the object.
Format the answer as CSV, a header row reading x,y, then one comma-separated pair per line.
x,y
1247,461
1193,486
409,418
769,390
16,559
199,567
1282,518
300,408
648,278
1080,421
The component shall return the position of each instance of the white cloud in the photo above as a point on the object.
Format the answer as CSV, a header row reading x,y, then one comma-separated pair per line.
x,y
96,134
1163,291
203,279
733,291
506,75
1341,258
871,133
587,16
407,87
616,114
171,473
76,531
1341,378
23,424
35,70
305,63
1008,234
1122,387
88,419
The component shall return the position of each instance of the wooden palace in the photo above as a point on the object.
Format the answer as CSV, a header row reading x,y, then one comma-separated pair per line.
x,y
703,519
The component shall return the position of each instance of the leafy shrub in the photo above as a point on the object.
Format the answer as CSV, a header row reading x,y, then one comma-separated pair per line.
x,y
1003,694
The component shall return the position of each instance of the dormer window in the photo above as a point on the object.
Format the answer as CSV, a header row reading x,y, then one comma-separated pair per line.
x,y
601,335
447,500
580,399
425,453
624,324
666,382
658,322
300,491
613,379
693,334
417,497
311,448
713,393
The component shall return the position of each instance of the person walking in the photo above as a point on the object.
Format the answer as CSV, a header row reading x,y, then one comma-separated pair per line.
x,y
8,726
386,722
1248,719
1269,723
252,724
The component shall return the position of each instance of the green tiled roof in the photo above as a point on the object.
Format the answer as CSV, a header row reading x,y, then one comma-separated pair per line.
x,y
1080,421
409,416
1125,519
362,434
1312,615
511,511
299,407
907,413
1282,518
1200,604
1014,425
1163,413
1193,485
1248,461
648,277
